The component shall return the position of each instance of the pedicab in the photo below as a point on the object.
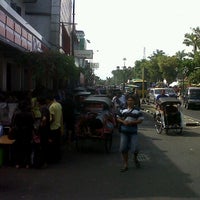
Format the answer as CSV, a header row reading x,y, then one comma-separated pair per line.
x,y
168,115
96,121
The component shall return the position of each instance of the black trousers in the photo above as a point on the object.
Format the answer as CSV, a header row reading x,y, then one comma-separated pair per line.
x,y
22,153
54,146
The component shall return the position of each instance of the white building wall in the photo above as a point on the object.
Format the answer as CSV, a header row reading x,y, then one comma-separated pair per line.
x,y
17,3
45,17
66,14
39,15
55,23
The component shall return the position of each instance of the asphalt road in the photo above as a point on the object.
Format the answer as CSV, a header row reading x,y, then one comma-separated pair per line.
x,y
169,170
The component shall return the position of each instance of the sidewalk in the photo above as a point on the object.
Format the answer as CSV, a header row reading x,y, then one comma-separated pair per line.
x,y
188,121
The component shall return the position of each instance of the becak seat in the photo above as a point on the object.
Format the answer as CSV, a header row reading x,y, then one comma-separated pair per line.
x,y
172,115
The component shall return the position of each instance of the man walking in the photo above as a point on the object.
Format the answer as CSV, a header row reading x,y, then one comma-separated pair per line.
x,y
129,119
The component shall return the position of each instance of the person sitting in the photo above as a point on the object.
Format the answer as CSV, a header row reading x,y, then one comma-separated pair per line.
x,y
159,108
161,95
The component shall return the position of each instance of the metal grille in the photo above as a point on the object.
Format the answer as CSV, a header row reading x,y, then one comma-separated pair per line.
x,y
142,157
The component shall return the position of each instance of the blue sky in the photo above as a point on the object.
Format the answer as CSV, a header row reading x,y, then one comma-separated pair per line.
x,y
123,29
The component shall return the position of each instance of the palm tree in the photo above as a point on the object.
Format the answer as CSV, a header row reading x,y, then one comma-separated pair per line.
x,y
193,39
181,54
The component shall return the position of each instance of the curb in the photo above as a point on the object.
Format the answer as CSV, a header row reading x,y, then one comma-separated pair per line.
x,y
186,124
192,124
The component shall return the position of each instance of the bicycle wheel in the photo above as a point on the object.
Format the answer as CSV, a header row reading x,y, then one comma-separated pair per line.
x,y
158,125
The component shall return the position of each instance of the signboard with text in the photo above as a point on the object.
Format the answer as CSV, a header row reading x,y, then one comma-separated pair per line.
x,y
87,54
94,65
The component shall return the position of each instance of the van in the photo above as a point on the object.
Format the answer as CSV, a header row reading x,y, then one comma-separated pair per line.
x,y
191,97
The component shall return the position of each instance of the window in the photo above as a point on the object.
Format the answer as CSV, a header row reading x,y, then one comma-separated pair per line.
x,y
16,8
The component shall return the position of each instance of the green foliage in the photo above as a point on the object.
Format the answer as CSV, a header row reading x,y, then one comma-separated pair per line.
x,y
50,65
159,66
194,77
121,75
193,39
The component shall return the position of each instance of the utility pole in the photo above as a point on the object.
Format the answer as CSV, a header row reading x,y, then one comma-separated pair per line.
x,y
73,26
144,58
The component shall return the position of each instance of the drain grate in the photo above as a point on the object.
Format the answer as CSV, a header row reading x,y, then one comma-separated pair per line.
x,y
143,157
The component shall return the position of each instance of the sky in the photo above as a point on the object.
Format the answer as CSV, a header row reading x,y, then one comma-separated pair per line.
x,y
134,29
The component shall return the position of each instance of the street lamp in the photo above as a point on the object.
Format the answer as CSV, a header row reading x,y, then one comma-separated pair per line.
x,y
124,68
73,27
142,83
124,71
124,59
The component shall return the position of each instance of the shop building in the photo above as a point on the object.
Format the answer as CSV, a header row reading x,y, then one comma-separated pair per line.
x,y
27,26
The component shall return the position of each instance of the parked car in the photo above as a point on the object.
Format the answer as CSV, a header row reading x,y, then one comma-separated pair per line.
x,y
191,97
154,92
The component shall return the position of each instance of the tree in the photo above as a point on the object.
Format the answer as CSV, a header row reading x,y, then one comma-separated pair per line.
x,y
194,77
155,73
193,39
168,66
181,55
49,66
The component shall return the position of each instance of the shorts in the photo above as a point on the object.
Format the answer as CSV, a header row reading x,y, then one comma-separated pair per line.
x,y
129,142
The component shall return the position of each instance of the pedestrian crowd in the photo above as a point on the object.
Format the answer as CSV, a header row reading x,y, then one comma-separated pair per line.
x,y
37,126
40,121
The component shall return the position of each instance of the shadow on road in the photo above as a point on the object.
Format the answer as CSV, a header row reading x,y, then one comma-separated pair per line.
x,y
94,174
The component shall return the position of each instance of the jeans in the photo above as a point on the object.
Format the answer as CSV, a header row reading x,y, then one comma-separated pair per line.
x,y
129,141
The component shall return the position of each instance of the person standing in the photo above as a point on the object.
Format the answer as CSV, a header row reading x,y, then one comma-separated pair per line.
x,y
137,97
56,129
23,126
68,106
41,153
117,104
129,119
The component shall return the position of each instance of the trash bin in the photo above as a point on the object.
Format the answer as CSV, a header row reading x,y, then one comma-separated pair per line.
x,y
1,156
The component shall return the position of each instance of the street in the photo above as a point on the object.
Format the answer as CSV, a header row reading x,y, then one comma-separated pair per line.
x,y
169,170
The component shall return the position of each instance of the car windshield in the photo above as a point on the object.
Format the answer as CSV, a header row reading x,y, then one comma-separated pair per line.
x,y
195,94
158,91
169,91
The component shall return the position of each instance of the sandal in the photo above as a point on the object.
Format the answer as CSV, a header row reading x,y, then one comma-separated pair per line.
x,y
124,169
137,163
